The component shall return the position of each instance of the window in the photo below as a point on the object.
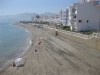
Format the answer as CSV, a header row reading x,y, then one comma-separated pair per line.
x,y
80,21
87,21
73,10
74,16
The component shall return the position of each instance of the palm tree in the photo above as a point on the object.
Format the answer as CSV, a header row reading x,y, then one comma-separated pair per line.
x,y
37,16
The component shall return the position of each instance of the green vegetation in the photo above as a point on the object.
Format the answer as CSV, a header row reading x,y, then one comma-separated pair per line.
x,y
67,28
44,22
58,26
37,22
25,22
87,32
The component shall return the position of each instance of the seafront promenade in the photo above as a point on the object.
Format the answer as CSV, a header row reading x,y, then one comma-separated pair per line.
x,y
53,55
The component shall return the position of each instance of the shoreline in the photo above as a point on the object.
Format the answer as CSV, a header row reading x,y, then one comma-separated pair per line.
x,y
29,40
51,55
23,52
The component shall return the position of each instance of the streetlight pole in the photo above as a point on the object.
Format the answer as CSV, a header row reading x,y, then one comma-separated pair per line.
x,y
99,28
61,17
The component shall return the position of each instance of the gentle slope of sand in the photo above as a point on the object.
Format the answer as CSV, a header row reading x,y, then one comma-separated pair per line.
x,y
50,55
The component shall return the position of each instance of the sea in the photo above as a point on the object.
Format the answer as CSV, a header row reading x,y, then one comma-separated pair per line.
x,y
14,40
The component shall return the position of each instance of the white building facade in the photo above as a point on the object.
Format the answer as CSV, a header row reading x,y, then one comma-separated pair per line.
x,y
63,16
84,16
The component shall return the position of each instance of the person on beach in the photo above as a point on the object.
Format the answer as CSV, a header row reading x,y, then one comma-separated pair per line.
x,y
14,65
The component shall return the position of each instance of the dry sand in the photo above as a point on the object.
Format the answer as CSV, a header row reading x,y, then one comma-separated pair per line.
x,y
50,55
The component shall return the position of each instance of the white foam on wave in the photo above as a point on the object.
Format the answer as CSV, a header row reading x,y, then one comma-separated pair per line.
x,y
29,44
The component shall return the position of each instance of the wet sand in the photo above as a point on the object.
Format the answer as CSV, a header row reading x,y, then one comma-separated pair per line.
x,y
50,55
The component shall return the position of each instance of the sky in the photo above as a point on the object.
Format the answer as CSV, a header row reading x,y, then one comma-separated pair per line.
x,y
11,7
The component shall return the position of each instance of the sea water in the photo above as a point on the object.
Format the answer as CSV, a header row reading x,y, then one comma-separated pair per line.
x,y
13,41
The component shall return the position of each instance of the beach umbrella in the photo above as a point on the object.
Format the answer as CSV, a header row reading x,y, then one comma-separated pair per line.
x,y
18,62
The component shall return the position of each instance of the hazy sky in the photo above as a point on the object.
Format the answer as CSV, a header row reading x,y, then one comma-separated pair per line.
x,y
9,7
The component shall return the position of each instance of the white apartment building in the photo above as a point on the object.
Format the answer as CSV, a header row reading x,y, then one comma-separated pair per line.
x,y
63,16
84,16
54,19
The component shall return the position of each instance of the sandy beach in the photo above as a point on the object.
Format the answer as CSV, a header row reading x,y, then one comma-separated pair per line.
x,y
50,55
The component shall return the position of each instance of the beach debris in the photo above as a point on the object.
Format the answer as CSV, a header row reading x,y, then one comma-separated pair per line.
x,y
35,50
56,33
14,65
18,62
39,42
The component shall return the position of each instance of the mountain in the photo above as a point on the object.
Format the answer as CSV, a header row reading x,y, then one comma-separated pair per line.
x,y
48,14
21,17
16,18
